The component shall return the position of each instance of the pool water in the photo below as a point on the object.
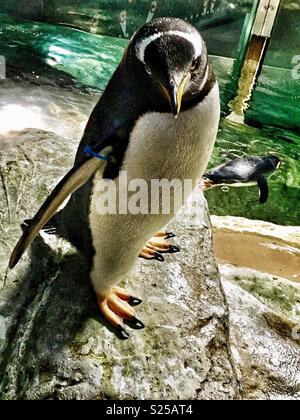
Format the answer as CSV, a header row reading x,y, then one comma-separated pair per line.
x,y
56,74
264,254
236,140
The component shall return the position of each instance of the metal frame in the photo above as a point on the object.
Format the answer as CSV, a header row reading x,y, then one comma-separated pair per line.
x,y
265,18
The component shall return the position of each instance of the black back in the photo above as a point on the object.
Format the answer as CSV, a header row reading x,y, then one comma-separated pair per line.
x,y
248,169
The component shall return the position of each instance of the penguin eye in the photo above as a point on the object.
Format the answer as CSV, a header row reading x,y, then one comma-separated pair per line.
x,y
148,70
195,64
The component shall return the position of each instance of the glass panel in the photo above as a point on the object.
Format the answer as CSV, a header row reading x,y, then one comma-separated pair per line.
x,y
238,140
41,48
277,95
225,26
221,20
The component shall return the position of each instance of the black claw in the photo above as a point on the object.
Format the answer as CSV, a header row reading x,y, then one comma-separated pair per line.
x,y
134,301
25,225
50,231
135,323
170,235
174,249
159,257
122,333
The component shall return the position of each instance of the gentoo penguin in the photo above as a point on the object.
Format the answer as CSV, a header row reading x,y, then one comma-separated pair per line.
x,y
157,119
242,172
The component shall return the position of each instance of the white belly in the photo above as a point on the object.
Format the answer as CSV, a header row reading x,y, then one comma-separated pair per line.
x,y
161,147
164,147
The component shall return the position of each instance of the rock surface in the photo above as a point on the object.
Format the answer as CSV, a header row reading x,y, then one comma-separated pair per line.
x,y
265,348
53,344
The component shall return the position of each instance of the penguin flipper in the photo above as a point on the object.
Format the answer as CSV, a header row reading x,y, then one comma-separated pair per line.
x,y
75,179
264,190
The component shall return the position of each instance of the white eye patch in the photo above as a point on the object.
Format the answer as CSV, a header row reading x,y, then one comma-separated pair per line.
x,y
194,38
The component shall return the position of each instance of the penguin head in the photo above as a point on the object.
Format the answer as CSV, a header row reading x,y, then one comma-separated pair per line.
x,y
174,58
272,162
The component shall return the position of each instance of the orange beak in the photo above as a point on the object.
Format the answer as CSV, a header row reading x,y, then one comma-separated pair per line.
x,y
174,95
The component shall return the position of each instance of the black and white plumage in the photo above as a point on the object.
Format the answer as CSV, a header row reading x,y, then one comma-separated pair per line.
x,y
241,172
158,117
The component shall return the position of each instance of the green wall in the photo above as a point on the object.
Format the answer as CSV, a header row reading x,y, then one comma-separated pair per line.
x,y
221,20
276,99
223,24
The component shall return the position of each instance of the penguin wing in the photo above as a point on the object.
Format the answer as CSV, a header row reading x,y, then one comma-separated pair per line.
x,y
264,190
75,179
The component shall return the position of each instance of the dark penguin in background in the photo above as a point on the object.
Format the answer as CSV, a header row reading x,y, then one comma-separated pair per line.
x,y
242,172
157,119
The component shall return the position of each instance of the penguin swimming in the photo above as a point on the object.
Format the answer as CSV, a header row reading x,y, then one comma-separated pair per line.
x,y
242,172
158,118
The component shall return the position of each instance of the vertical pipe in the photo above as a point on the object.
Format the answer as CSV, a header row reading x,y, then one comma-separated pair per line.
x,y
261,33
247,79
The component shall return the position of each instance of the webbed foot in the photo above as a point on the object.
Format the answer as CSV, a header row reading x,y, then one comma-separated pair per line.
x,y
159,245
117,308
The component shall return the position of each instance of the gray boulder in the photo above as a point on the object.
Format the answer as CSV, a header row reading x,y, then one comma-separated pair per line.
x,y
200,342
54,344
264,334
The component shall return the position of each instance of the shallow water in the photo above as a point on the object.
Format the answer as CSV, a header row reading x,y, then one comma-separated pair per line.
x,y
53,72
267,255
236,140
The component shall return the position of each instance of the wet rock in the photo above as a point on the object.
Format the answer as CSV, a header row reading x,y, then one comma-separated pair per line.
x,y
264,334
50,102
288,234
280,295
54,344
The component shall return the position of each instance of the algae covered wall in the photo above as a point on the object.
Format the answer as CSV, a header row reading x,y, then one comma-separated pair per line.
x,y
222,24
277,94
121,18
225,25
32,9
